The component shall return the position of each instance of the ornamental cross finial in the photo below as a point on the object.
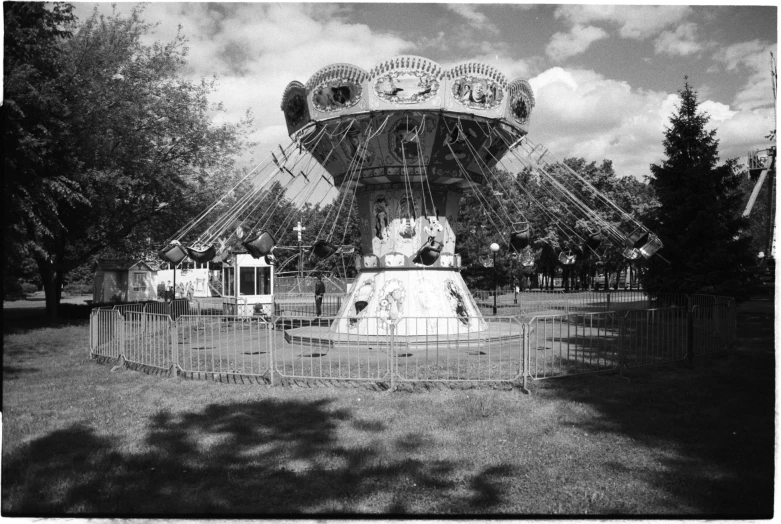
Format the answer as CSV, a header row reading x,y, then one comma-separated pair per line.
x,y
299,229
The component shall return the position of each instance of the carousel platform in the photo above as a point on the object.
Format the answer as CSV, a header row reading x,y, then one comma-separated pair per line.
x,y
319,335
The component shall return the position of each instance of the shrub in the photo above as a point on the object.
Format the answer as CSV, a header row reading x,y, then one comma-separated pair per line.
x,y
28,288
12,289
78,289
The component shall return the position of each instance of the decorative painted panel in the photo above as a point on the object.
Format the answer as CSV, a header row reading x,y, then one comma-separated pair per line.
x,y
406,87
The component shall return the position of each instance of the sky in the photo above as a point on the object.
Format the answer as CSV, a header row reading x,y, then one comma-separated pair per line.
x,y
605,77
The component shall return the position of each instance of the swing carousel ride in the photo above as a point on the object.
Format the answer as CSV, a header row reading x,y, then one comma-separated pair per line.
x,y
404,140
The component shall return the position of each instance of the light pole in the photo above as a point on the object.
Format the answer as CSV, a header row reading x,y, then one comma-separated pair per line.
x,y
515,278
494,248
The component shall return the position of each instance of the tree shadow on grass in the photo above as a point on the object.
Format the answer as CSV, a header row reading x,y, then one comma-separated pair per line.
x,y
264,457
713,425
22,320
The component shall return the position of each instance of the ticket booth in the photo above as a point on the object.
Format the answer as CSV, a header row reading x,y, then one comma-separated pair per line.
x,y
248,285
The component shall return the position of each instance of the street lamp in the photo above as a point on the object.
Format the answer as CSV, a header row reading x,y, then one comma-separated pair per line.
x,y
494,248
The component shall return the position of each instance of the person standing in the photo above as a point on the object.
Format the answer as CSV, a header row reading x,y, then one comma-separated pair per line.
x,y
169,292
319,292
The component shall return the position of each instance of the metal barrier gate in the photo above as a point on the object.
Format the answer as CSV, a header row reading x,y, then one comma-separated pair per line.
x,y
573,344
444,350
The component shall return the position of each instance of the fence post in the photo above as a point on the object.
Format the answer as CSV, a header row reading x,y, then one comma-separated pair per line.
x,y
608,301
174,348
93,331
524,356
392,356
690,338
121,321
271,347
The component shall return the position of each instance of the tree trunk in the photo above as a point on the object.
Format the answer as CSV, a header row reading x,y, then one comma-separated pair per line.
x,y
52,276
52,286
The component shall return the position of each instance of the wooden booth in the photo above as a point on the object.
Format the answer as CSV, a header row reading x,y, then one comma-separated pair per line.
x,y
123,281
248,286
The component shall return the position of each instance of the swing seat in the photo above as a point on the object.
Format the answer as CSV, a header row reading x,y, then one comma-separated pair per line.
x,y
201,253
631,253
637,238
223,254
652,246
173,252
526,258
428,254
260,244
595,238
322,249
521,235
568,258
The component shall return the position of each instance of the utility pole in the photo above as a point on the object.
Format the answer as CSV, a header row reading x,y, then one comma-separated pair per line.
x,y
299,230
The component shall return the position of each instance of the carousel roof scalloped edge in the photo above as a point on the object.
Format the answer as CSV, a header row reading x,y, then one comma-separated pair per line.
x,y
510,101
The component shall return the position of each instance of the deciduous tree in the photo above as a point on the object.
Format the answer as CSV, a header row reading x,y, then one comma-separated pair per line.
x,y
136,154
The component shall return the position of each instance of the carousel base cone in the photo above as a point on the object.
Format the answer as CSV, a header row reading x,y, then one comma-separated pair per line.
x,y
420,307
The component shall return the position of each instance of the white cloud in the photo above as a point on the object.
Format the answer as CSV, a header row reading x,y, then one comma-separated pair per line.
x,y
718,112
565,45
580,113
635,22
476,19
681,42
751,59
555,75
257,49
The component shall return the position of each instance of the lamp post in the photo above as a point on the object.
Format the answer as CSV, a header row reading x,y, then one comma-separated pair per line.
x,y
515,278
494,248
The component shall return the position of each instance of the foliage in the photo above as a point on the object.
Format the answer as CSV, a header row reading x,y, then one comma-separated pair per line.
x,y
133,155
28,288
33,116
488,214
77,289
698,219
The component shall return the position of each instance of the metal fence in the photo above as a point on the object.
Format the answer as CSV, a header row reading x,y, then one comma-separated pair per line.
x,y
303,304
573,344
430,349
653,336
299,347
221,345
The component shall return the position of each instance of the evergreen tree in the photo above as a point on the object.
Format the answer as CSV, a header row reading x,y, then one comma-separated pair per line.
x,y
698,218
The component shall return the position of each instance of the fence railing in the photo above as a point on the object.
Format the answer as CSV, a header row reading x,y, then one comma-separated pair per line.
x,y
573,344
484,350
653,336
303,304
215,345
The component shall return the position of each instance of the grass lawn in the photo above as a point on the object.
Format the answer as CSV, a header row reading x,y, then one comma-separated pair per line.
x,y
79,439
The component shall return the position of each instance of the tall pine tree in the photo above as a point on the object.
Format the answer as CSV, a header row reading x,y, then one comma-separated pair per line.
x,y
698,219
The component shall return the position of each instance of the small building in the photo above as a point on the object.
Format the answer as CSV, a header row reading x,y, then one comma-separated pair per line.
x,y
248,286
123,281
190,283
